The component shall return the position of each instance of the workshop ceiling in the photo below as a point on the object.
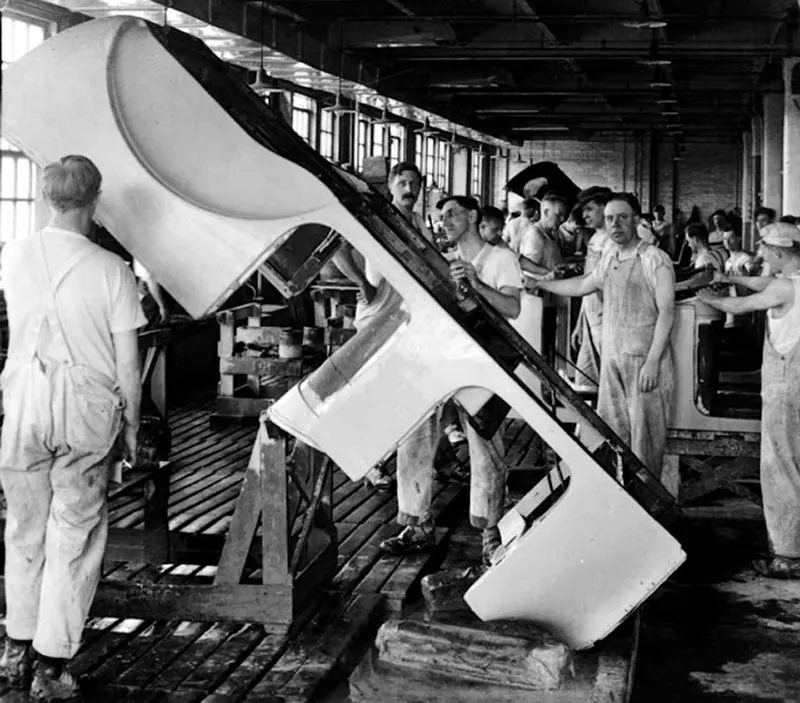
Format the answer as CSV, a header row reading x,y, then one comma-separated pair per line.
x,y
525,69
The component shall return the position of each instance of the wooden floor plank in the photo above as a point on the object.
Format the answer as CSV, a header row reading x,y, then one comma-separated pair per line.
x,y
193,656
351,630
224,659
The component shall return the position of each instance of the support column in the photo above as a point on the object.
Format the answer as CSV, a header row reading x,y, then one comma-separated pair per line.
x,y
772,165
747,186
791,137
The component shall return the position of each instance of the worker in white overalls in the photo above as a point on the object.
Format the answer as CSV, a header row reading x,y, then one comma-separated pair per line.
x,y
71,385
637,282
780,389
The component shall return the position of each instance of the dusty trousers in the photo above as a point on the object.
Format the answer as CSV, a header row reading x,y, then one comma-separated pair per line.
x,y
415,472
629,318
55,536
780,448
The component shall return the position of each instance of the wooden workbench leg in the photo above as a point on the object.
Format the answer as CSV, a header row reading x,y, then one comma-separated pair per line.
x,y
275,527
227,339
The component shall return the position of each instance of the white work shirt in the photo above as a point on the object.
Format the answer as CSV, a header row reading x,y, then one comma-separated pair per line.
x,y
497,267
541,246
98,298
514,231
739,263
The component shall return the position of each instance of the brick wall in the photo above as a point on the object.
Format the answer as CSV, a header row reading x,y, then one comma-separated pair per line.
x,y
710,176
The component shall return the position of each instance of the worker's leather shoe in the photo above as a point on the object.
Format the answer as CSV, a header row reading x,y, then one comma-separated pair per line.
x,y
413,538
52,684
16,665
380,481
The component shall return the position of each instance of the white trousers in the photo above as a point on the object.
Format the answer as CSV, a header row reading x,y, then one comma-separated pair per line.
x,y
55,536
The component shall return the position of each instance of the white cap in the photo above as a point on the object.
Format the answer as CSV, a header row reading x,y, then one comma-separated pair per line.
x,y
779,234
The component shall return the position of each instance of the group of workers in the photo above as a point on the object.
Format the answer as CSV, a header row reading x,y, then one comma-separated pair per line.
x,y
71,383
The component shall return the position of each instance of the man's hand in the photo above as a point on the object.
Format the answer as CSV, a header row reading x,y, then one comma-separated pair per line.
x,y
708,296
720,277
463,271
366,294
648,376
131,438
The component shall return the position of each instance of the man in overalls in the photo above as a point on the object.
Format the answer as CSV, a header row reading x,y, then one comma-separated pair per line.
x,y
780,390
637,282
71,385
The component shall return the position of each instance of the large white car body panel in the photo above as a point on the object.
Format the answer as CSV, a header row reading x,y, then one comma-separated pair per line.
x,y
202,205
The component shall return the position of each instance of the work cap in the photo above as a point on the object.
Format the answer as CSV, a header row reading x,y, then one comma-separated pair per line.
x,y
587,195
779,234
465,201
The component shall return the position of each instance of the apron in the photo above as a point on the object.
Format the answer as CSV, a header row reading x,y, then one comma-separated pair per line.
x,y
629,320
51,403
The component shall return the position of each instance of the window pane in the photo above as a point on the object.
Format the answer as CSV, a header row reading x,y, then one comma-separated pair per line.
x,y
7,176
22,226
24,179
6,220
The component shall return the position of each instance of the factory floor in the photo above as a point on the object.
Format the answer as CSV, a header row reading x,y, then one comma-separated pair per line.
x,y
717,632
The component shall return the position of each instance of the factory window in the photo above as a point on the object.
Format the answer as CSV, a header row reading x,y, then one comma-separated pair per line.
x,y
397,143
443,166
379,136
476,174
328,123
363,142
18,175
418,148
303,109
431,150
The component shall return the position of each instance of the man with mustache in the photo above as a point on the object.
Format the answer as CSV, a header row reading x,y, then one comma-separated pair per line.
x,y
637,282
375,294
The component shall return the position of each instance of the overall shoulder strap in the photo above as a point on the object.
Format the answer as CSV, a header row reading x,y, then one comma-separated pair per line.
x,y
49,286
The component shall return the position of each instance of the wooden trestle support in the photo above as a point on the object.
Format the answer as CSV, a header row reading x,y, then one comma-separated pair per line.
x,y
266,580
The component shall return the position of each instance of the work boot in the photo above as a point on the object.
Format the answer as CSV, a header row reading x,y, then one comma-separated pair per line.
x,y
490,541
53,683
379,480
413,538
16,664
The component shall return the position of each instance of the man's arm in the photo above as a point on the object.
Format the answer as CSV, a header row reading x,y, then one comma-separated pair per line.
x,y
505,300
343,258
754,283
530,267
665,304
571,287
777,293
126,359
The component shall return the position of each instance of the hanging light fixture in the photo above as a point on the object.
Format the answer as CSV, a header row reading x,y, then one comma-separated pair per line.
x,y
659,80
263,84
644,20
653,58
426,130
386,117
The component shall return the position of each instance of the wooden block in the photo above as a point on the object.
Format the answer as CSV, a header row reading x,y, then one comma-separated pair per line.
x,y
539,663
444,591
